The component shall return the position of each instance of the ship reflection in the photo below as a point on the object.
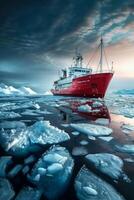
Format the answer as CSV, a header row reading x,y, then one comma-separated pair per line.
x,y
75,110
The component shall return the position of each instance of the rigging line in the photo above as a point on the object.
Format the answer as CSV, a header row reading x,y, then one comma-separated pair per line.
x,y
93,56
106,59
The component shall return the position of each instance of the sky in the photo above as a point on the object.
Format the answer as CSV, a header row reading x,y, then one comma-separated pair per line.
x,y
39,37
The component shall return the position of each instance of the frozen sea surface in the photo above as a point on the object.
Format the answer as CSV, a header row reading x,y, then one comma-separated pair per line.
x,y
30,125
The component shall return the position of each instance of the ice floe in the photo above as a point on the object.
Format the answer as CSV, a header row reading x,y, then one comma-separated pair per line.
x,y
89,186
6,190
83,142
53,171
28,193
5,162
42,132
108,163
127,128
97,104
9,115
102,121
79,151
75,133
15,171
107,138
91,129
12,125
127,148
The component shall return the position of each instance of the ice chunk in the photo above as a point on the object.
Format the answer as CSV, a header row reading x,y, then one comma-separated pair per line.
x,y
83,142
85,108
129,160
107,163
30,159
102,121
44,133
97,104
91,129
28,193
107,138
91,137
51,174
15,171
6,190
127,148
8,115
5,161
75,133
127,128
26,169
89,186
22,141
79,151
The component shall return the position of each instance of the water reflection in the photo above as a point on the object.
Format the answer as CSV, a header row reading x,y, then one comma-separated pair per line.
x,y
77,109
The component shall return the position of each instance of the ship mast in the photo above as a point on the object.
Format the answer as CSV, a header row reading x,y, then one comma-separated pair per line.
x,y
101,55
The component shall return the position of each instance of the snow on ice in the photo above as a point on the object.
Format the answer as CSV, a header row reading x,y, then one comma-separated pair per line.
x,y
107,139
53,171
42,132
91,129
108,164
127,128
89,186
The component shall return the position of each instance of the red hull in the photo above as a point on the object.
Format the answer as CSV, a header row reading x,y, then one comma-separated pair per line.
x,y
93,85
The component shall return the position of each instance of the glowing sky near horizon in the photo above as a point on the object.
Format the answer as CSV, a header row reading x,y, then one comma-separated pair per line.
x,y
37,38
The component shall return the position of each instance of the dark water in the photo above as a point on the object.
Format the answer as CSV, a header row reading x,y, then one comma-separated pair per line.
x,y
65,113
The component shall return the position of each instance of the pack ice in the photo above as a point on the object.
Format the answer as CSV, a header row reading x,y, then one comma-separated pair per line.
x,y
91,129
107,163
53,171
89,186
21,141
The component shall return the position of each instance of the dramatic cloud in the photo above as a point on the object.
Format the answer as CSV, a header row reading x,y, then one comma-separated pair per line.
x,y
36,36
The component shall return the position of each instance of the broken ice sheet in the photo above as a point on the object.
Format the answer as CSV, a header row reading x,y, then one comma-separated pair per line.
x,y
109,164
28,193
24,140
91,129
53,171
6,190
89,186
